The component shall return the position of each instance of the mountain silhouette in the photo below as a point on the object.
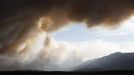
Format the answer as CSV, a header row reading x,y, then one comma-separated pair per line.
x,y
115,61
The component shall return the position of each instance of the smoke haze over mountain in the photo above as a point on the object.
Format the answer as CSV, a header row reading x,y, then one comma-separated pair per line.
x,y
25,25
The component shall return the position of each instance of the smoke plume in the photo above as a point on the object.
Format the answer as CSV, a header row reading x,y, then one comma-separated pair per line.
x,y
25,24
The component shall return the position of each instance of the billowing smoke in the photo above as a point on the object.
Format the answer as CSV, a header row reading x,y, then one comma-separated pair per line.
x,y
25,24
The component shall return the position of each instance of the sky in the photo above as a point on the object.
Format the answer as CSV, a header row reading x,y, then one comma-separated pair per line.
x,y
79,32
90,43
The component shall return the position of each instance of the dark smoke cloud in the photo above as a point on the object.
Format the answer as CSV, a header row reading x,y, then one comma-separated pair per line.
x,y
22,19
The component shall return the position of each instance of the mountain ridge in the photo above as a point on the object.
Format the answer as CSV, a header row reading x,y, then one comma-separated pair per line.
x,y
114,61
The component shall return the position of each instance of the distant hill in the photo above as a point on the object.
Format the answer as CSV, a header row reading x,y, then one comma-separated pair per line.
x,y
115,61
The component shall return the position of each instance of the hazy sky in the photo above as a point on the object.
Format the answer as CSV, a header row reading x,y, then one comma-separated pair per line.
x,y
79,32
98,42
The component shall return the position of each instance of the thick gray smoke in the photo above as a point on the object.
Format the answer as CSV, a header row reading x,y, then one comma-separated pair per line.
x,y
24,24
